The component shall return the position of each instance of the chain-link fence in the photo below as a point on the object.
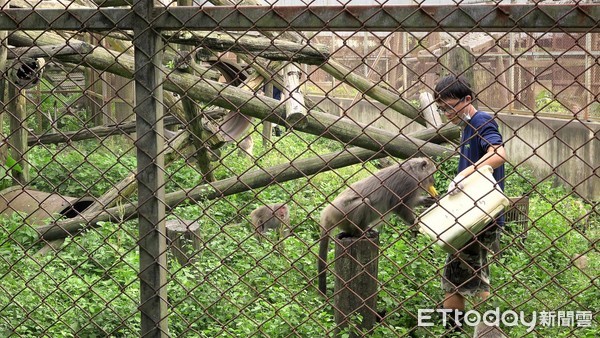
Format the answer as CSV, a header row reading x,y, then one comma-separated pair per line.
x,y
170,170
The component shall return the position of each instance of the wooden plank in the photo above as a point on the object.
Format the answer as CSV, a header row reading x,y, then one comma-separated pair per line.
x,y
541,18
3,56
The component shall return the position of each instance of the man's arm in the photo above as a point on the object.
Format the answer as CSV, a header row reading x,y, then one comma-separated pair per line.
x,y
495,157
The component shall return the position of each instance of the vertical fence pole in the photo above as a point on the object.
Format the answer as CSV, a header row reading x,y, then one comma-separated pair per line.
x,y
356,266
588,77
150,167
3,82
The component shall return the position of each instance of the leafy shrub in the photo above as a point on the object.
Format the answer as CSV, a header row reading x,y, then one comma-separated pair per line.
x,y
78,171
239,287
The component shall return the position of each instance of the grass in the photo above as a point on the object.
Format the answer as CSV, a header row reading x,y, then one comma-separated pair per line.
x,y
239,287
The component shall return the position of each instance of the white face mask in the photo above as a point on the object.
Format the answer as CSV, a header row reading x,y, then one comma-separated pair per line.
x,y
465,118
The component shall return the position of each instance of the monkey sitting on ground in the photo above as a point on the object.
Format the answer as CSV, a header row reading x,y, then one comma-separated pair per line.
x,y
396,189
271,217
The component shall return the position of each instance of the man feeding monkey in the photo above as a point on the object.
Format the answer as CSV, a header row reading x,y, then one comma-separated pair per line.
x,y
399,189
466,273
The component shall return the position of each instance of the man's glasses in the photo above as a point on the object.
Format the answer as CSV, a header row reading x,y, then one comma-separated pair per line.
x,y
443,110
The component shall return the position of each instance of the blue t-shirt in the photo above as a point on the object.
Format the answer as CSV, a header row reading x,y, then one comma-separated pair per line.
x,y
479,133
276,92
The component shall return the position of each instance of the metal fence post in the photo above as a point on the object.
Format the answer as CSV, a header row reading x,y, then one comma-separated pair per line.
x,y
150,164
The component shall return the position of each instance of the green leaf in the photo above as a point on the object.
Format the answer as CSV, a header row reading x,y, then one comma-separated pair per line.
x,y
12,163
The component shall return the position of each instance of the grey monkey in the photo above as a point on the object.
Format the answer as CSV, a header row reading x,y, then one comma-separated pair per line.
x,y
395,189
271,217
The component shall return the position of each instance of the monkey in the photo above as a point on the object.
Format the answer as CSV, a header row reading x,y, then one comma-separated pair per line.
x,y
580,261
271,217
246,146
395,189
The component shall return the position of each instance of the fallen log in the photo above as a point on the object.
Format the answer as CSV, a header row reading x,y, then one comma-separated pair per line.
x,y
250,180
119,192
275,50
89,133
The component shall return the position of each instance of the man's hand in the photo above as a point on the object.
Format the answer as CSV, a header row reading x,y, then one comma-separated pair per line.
x,y
456,185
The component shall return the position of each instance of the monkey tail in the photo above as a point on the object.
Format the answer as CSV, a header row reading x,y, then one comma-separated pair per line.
x,y
322,262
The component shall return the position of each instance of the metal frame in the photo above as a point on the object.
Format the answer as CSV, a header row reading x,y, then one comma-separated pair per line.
x,y
147,21
416,18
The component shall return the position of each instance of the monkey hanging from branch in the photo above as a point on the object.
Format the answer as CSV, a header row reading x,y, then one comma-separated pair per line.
x,y
396,189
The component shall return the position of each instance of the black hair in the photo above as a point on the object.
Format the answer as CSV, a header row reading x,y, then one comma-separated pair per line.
x,y
452,87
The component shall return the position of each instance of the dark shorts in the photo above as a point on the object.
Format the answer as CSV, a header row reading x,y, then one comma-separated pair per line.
x,y
467,272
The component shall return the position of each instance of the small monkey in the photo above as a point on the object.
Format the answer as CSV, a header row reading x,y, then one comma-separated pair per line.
x,y
580,261
395,189
246,146
271,217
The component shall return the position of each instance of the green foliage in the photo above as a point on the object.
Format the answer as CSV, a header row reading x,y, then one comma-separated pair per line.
x,y
237,286
90,288
58,106
447,170
546,103
79,171
7,171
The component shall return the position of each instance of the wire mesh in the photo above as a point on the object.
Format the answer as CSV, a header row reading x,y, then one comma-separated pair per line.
x,y
259,128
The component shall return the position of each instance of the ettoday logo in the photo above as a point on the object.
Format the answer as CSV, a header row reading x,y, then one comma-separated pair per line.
x,y
495,317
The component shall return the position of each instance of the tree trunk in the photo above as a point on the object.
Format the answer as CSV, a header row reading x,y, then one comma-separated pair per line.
x,y
184,240
356,267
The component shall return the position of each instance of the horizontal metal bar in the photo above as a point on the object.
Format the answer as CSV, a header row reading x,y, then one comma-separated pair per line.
x,y
413,18
69,19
